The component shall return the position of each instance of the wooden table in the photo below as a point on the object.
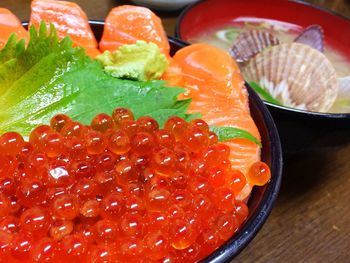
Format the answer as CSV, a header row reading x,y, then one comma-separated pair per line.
x,y
311,219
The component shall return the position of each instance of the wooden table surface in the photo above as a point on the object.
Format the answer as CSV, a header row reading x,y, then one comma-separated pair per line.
x,y
311,219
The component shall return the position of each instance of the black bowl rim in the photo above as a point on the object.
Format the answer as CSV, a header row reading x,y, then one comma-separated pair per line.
x,y
242,238
313,114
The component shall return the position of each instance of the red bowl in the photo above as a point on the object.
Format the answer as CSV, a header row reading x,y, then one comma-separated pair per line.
x,y
208,13
299,130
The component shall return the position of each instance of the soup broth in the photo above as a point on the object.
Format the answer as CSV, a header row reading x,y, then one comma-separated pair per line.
x,y
223,37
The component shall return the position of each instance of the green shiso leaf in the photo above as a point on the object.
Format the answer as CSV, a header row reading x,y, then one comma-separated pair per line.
x,y
263,93
228,133
49,76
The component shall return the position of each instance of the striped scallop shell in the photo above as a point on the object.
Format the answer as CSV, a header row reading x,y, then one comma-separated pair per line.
x,y
295,74
312,36
250,43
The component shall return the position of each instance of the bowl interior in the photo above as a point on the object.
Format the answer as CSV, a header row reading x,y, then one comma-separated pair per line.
x,y
262,198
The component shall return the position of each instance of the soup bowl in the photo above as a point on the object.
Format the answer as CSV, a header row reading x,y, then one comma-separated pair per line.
x,y
300,130
262,198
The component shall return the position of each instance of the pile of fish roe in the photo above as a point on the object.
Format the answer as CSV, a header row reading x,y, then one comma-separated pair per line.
x,y
119,190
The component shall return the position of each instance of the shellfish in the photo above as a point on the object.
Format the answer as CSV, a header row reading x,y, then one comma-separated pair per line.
x,y
250,43
296,75
312,36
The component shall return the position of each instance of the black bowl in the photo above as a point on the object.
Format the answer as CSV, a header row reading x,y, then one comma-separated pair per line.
x,y
300,131
262,198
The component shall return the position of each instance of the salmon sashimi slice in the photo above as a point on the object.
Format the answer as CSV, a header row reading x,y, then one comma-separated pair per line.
x,y
69,20
213,81
126,24
9,24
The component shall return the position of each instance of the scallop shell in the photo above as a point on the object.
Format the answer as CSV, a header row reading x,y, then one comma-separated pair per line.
x,y
250,43
295,74
312,36
342,102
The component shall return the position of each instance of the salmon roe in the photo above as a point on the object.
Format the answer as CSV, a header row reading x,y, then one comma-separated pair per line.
x,y
119,189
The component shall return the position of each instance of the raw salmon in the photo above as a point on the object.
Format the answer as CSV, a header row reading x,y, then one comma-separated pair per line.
x,y
214,83
9,24
126,24
69,20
